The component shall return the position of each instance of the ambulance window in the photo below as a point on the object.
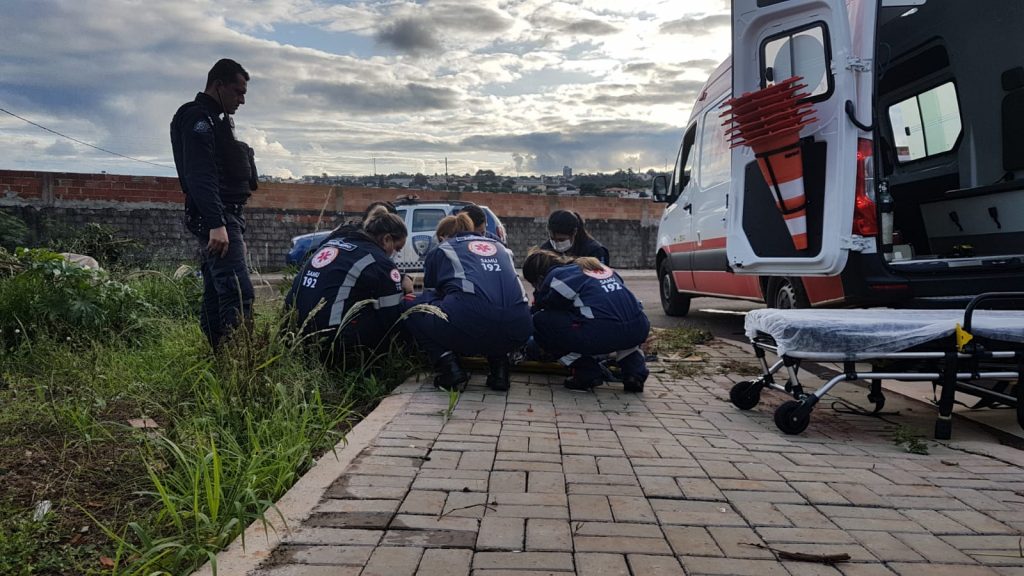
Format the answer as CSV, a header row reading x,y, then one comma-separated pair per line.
x,y
803,52
715,157
684,163
926,124
425,220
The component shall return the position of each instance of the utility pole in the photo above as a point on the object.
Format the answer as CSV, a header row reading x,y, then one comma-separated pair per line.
x,y
445,173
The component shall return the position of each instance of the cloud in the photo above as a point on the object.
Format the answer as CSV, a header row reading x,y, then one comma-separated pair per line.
x,y
695,25
590,28
378,98
674,92
60,148
409,35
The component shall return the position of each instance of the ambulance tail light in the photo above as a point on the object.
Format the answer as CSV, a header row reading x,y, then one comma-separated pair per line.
x,y
865,212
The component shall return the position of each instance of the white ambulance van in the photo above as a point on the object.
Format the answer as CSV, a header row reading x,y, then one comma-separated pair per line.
x,y
913,172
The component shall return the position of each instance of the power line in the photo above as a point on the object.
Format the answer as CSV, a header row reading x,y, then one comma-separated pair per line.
x,y
85,143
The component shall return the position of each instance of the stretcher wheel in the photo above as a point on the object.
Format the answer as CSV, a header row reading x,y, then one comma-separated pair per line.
x,y
878,400
745,395
789,419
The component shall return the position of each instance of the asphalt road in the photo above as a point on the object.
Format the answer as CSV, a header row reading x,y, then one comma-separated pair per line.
x,y
722,317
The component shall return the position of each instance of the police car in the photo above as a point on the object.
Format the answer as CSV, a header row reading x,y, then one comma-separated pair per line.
x,y
421,220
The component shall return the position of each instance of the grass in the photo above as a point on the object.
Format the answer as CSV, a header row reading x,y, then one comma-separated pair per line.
x,y
234,432
676,344
911,439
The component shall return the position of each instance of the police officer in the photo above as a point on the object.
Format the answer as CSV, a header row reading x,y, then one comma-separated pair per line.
x,y
473,280
217,173
567,234
582,309
345,271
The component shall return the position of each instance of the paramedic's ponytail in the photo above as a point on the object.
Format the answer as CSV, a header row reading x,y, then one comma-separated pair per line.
x,y
380,222
589,264
451,225
538,262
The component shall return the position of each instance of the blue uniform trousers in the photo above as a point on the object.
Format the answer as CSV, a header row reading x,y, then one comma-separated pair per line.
x,y
474,327
227,290
564,334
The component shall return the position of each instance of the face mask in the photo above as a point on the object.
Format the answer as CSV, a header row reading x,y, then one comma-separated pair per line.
x,y
561,246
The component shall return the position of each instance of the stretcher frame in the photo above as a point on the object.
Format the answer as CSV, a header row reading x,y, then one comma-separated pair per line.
x,y
957,368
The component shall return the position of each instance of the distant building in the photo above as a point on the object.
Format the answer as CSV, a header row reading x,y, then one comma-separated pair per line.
x,y
567,172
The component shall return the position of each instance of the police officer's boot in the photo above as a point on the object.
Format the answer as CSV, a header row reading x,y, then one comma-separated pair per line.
x,y
498,379
634,372
450,375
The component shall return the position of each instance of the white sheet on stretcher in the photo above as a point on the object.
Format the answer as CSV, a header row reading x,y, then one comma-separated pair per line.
x,y
876,331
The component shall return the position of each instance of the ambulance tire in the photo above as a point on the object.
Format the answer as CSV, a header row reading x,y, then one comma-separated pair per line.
x,y
673,302
785,293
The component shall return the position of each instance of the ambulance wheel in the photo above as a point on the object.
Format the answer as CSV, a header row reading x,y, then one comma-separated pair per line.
x,y
788,418
745,395
786,293
673,302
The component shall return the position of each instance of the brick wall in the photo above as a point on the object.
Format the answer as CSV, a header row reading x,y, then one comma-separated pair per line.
x,y
149,209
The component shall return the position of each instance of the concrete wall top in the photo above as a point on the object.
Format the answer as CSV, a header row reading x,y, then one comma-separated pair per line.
x,y
64,187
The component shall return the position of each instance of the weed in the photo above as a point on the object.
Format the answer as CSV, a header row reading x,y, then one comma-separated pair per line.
x,y
681,342
32,546
913,440
453,401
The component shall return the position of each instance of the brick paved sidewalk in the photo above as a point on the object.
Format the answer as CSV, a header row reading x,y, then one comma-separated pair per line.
x,y
542,480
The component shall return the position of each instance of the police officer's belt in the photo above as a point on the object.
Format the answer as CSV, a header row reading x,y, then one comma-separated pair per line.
x,y
235,209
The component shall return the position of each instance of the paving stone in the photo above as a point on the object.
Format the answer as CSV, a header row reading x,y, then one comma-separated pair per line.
x,y
393,562
692,541
306,570
333,536
818,493
936,522
423,502
584,507
739,542
700,489
849,569
978,522
941,570
589,564
429,538
887,547
546,482
643,565
497,533
465,504
885,525
577,464
332,505
330,555
345,492
818,535
547,535
631,509
605,490
616,529
444,562
805,516
450,484
732,567
555,561
660,487
810,569
412,522
620,544
695,513
476,461
935,550
377,520
507,481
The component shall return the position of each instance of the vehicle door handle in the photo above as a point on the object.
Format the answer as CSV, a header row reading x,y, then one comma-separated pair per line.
x,y
688,207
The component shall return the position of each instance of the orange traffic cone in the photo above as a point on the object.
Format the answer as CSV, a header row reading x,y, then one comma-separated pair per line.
x,y
769,122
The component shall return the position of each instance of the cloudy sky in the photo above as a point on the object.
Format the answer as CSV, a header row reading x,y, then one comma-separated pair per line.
x,y
515,86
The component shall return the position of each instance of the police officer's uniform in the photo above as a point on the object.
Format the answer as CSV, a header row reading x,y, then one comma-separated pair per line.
x,y
341,273
217,173
473,279
588,247
580,313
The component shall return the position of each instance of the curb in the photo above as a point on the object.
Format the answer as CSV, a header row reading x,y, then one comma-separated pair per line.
x,y
299,501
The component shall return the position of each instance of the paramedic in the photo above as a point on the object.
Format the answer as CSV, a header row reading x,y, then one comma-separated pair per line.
x,y
568,235
473,280
345,271
217,173
581,309
479,218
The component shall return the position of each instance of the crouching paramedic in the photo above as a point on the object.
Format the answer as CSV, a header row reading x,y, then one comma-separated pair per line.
x,y
473,280
582,309
345,271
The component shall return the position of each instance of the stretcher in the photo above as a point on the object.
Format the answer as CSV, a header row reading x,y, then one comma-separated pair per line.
x,y
971,351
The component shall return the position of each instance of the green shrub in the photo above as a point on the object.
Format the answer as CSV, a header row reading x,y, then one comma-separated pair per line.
x,y
43,294
102,242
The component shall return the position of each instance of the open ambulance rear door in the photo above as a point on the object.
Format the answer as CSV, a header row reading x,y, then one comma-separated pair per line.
x,y
772,41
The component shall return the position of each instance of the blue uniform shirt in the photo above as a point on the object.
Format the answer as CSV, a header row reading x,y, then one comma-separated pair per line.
x,y
594,295
344,271
474,265
589,247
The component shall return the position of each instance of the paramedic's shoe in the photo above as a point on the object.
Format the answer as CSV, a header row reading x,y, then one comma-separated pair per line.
x,y
582,381
634,372
498,379
450,375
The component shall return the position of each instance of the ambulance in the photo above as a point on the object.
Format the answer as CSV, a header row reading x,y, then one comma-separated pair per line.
x,y
912,169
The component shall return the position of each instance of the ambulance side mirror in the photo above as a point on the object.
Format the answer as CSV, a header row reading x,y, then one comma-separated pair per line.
x,y
659,188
